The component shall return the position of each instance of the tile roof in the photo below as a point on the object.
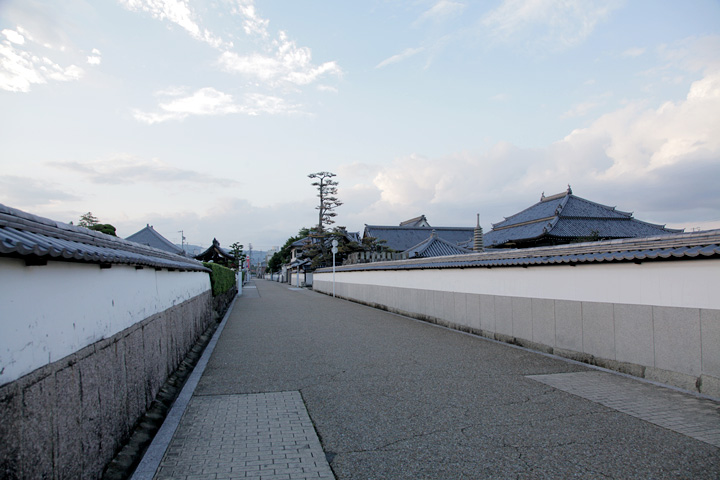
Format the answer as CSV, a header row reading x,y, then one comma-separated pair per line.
x,y
34,238
150,237
564,217
668,247
435,246
215,251
401,239
420,221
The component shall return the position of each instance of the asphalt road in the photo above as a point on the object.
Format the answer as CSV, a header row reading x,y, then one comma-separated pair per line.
x,y
395,398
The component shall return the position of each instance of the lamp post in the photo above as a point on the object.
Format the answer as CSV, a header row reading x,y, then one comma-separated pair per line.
x,y
334,251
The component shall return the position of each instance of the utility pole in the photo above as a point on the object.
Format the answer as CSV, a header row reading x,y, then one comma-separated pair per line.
x,y
182,239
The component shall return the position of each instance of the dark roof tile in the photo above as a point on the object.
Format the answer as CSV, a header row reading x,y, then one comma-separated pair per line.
x,y
25,235
658,248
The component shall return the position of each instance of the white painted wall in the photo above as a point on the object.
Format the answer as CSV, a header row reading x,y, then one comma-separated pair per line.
x,y
661,320
49,312
688,283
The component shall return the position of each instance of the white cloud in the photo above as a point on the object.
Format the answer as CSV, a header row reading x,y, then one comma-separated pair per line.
x,y
257,103
252,24
21,66
209,101
442,10
405,54
177,12
28,193
130,170
95,58
541,24
13,36
661,162
205,101
584,108
633,52
289,64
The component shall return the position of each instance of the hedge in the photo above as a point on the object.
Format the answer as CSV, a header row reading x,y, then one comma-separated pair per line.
x,y
222,278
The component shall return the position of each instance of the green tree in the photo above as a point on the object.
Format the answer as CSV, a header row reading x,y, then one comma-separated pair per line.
x,y
320,248
90,221
283,256
237,250
105,228
87,220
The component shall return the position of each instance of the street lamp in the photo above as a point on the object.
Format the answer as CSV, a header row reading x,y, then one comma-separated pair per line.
x,y
334,251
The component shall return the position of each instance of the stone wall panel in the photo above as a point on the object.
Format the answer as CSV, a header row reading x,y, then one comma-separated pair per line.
x,y
11,412
67,419
68,423
37,428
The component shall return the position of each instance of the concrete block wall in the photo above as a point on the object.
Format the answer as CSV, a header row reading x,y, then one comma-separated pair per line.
x,y
68,418
675,345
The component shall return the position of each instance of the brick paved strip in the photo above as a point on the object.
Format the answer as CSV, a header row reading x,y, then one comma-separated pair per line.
x,y
695,417
262,436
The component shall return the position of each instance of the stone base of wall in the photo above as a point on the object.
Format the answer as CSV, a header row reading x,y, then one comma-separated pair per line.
x,y
222,302
69,418
587,332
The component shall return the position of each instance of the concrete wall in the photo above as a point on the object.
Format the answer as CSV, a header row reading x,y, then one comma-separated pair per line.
x,y
657,320
128,329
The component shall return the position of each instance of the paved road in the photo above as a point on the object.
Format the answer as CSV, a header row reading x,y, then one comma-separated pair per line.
x,y
394,398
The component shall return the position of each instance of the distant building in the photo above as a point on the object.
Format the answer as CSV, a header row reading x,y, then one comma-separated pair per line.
x,y
416,232
216,254
150,237
420,221
434,246
566,218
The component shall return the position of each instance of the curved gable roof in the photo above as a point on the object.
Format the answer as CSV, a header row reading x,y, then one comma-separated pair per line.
x,y
435,247
566,217
150,237
400,239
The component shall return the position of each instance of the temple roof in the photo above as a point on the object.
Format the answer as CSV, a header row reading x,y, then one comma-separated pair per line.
x,y
420,221
563,218
435,246
666,247
150,237
215,253
402,238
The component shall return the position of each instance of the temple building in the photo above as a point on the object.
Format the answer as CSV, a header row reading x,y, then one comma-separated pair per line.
x,y
566,218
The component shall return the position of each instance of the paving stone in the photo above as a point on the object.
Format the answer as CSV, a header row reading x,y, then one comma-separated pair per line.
x,y
695,417
268,436
394,398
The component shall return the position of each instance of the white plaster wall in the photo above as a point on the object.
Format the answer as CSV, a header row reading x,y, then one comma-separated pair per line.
x,y
689,283
51,311
661,318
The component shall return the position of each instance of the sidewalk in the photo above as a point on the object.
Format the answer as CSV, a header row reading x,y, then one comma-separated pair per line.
x,y
394,398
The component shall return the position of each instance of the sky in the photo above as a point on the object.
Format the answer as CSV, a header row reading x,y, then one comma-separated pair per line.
x,y
206,117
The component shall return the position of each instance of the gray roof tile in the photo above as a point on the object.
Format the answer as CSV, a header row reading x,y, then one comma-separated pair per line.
x,y
28,236
567,217
400,239
150,237
435,246
666,247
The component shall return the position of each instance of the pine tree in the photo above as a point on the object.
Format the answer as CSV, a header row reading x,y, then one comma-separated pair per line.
x,y
327,191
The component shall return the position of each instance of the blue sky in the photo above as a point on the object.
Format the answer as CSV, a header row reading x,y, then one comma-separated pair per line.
x,y
207,117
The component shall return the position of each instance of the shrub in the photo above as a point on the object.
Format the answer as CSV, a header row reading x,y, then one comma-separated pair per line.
x,y
222,278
